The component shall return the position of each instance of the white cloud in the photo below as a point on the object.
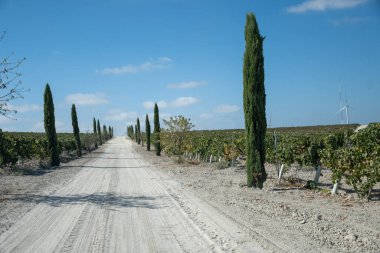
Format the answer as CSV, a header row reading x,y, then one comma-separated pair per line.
x,y
179,102
24,108
150,104
323,5
226,108
152,64
184,101
118,115
186,85
206,116
87,99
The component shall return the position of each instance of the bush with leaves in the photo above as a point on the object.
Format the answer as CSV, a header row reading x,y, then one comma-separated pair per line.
x,y
356,157
178,127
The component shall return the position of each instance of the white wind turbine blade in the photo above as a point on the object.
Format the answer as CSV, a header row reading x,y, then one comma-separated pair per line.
x,y
340,111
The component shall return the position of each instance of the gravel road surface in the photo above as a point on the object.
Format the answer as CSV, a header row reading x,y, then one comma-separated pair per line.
x,y
119,202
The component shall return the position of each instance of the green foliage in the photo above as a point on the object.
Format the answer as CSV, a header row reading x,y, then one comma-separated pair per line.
x,y
95,132
157,130
130,132
147,131
178,128
49,121
138,132
356,157
254,103
311,185
100,138
20,146
74,121
217,142
105,133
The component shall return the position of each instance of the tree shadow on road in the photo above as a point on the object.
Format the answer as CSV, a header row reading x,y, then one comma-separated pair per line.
x,y
106,167
113,158
100,199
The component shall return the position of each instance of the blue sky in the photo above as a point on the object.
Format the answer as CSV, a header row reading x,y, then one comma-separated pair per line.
x,y
114,58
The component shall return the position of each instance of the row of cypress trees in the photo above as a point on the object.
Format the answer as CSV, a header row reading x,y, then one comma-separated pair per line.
x,y
101,136
134,132
51,134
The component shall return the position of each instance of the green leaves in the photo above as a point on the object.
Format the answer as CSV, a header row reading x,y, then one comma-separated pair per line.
x,y
74,121
178,128
19,146
356,158
157,130
49,121
254,103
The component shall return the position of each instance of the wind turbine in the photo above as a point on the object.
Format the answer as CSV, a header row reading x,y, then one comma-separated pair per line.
x,y
344,109
340,104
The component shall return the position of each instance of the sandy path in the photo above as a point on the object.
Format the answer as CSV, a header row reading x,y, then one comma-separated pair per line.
x,y
119,203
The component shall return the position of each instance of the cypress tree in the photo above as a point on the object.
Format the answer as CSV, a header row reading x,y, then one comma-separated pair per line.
x,y
95,133
136,138
157,130
49,122
110,132
74,122
138,132
94,125
254,103
132,132
105,134
147,131
99,133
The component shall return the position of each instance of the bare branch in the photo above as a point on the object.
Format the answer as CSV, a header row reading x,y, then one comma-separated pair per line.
x,y
10,83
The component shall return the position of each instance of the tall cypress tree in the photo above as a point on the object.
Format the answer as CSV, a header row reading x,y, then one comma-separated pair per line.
x,y
74,122
99,133
254,103
49,122
157,130
138,137
94,125
147,131
132,132
95,133
105,134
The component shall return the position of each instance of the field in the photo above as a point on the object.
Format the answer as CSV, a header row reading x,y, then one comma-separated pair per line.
x,y
19,147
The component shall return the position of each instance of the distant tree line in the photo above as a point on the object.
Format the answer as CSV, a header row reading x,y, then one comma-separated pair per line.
x,y
135,134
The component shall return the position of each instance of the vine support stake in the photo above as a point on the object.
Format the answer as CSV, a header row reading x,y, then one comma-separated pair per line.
x,y
317,174
335,188
281,171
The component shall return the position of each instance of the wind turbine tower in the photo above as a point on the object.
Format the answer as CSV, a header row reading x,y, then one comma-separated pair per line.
x,y
344,109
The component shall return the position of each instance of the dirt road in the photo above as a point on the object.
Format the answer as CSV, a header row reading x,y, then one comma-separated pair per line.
x,y
120,203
